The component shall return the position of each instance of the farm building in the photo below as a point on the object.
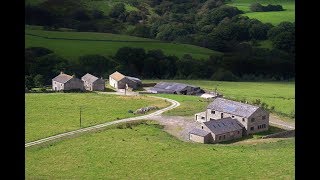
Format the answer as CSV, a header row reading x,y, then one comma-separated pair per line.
x,y
176,88
66,82
120,81
217,131
92,83
253,118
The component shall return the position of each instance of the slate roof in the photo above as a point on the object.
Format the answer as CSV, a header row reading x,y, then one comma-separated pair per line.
x,y
199,132
224,125
171,87
117,76
232,107
137,80
62,78
89,78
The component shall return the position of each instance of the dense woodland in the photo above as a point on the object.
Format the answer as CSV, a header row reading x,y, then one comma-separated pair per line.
x,y
206,23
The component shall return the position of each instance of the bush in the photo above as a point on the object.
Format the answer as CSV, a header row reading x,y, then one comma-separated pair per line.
x,y
257,7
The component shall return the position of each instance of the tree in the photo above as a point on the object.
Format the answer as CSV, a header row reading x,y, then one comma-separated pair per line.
x,y
285,41
117,10
223,75
95,64
141,30
132,59
28,82
259,31
256,7
38,80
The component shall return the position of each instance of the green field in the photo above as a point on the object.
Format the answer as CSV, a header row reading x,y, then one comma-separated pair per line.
x,y
281,95
54,113
147,152
271,17
83,43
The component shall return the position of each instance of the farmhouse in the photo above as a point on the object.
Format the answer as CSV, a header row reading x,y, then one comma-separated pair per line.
x,y
66,82
120,81
217,131
253,118
92,83
176,88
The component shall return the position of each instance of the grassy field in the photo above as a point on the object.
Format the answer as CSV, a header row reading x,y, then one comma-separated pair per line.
x,y
147,152
281,95
271,17
86,44
53,113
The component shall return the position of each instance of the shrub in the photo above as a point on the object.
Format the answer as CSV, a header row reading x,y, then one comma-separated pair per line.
x,y
224,75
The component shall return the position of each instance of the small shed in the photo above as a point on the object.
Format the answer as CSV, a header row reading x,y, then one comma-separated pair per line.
x,y
200,136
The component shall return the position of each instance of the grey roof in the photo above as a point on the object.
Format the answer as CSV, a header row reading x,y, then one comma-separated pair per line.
x,y
62,78
172,86
232,107
199,132
89,78
224,125
137,80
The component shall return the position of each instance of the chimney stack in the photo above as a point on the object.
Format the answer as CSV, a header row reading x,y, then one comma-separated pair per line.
x,y
73,75
61,72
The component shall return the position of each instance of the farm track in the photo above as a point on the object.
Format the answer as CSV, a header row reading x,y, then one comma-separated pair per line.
x,y
173,105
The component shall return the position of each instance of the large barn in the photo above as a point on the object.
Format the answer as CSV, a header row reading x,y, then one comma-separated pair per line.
x,y
176,88
66,82
253,118
92,83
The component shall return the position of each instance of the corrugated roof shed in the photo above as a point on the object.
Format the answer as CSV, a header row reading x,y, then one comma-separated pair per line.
x,y
89,78
232,107
117,76
199,132
62,78
172,86
224,125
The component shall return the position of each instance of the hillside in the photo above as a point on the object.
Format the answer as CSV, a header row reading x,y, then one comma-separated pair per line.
x,y
71,45
274,17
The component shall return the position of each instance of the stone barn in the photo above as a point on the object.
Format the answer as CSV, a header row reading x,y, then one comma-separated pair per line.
x,y
200,136
92,83
253,118
120,81
66,82
217,131
176,88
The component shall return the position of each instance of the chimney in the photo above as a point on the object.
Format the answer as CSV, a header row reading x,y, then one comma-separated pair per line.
x,y
73,75
61,72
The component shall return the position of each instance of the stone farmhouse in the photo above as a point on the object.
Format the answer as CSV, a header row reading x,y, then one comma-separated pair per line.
x,y
66,82
176,88
92,83
251,119
120,81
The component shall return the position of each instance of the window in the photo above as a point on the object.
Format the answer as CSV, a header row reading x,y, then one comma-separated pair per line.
x,y
232,116
252,128
263,117
221,115
202,117
263,126
252,119
61,84
201,127
238,132
224,136
213,112
243,120
219,137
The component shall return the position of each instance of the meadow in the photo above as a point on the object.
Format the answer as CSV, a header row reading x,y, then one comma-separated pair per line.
x,y
274,17
71,45
281,95
48,114
147,152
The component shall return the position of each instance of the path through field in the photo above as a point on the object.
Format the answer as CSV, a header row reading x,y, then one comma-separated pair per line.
x,y
173,105
178,126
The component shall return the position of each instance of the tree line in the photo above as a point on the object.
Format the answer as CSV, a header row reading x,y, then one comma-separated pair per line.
x,y
205,23
245,63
